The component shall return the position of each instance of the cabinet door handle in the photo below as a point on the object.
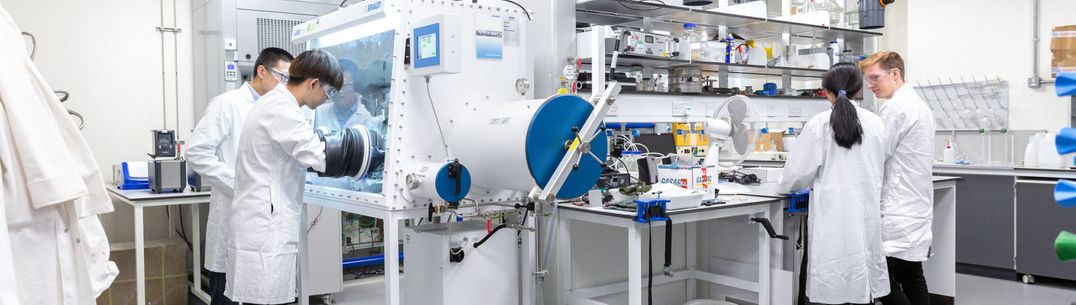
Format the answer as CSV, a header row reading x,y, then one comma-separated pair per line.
x,y
1046,182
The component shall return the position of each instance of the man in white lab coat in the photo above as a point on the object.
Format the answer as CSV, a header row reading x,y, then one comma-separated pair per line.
x,y
276,150
346,108
213,147
908,190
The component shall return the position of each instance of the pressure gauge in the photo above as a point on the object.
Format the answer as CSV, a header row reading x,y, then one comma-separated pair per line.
x,y
570,72
522,86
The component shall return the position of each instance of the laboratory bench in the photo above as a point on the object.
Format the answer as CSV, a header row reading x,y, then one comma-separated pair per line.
x,y
1009,231
940,269
144,198
690,257
717,251
1006,220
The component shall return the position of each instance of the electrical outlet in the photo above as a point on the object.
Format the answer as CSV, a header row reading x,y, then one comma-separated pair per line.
x,y
795,111
613,110
711,108
681,108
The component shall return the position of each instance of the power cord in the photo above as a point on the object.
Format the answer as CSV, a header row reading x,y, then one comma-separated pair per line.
x,y
522,8
315,221
436,120
182,229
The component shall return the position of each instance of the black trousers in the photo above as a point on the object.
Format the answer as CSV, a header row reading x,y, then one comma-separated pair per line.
x,y
216,289
907,286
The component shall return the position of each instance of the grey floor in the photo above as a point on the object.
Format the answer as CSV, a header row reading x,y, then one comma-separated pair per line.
x,y
970,290
977,290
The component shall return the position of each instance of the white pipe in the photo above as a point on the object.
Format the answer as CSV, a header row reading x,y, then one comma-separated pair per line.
x,y
164,97
175,59
1036,81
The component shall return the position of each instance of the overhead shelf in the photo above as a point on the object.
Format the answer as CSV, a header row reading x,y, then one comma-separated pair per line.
x,y
671,18
626,60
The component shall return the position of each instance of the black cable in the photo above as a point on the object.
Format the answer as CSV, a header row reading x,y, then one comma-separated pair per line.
x,y
343,2
802,296
626,169
436,120
523,222
650,263
668,246
490,234
621,2
314,222
522,8
168,214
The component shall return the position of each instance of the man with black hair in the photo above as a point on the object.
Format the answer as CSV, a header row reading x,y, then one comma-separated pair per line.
x,y
213,149
277,149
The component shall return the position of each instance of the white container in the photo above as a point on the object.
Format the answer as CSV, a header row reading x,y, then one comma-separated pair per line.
x,y
1031,151
1047,155
688,177
757,56
517,145
679,198
834,53
948,155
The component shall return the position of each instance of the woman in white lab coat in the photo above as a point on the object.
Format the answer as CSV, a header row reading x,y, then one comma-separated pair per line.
x,y
275,151
840,156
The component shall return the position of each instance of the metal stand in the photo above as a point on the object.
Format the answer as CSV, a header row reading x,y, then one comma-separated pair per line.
x,y
340,200
140,199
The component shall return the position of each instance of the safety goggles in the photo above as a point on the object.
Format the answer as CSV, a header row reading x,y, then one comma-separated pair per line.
x,y
330,92
873,78
279,76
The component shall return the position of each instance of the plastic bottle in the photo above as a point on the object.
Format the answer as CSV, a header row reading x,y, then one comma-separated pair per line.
x,y
695,38
689,42
834,53
949,155
1048,157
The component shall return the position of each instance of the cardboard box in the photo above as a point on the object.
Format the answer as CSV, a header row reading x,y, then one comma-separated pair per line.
x,y
690,134
688,177
166,274
772,141
1063,47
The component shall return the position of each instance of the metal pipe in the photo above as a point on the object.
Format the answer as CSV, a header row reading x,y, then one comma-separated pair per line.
x,y
1036,81
164,95
175,58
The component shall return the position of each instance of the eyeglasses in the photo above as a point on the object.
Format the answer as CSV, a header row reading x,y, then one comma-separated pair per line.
x,y
873,78
279,76
330,92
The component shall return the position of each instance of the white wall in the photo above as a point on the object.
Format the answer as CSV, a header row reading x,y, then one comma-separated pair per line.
x,y
965,38
108,55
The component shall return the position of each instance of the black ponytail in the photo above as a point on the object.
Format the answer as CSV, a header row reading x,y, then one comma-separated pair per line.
x,y
844,80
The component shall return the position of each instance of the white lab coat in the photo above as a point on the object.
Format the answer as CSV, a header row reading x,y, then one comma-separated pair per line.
x,y
277,147
211,153
846,263
52,191
908,190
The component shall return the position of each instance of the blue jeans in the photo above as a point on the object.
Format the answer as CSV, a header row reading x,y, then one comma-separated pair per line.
x,y
216,289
